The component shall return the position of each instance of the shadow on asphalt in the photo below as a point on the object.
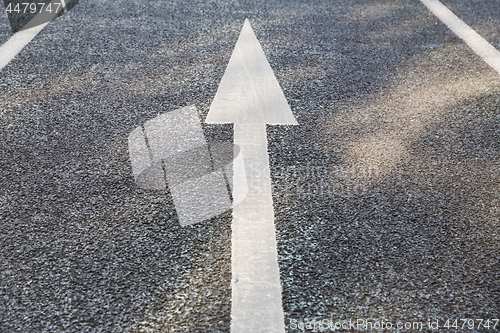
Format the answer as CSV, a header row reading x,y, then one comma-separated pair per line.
x,y
85,247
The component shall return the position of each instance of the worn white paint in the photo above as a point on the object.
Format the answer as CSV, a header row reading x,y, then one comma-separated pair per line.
x,y
250,97
20,39
477,43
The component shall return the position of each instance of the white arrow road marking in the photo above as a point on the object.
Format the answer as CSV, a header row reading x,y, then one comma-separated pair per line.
x,y
250,97
249,91
19,40
477,43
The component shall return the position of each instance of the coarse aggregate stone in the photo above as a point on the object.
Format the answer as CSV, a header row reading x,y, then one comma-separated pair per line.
x,y
386,195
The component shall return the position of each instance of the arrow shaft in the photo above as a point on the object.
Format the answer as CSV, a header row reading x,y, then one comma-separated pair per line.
x,y
256,288
250,97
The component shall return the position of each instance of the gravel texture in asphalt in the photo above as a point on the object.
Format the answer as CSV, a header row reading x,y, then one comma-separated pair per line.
x,y
386,196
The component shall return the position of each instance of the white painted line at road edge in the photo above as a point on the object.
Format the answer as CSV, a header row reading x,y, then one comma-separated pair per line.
x,y
16,43
20,39
477,43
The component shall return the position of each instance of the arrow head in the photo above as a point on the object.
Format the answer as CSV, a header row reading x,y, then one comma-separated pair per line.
x,y
249,91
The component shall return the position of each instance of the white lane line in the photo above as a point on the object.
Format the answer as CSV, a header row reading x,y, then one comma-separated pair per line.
x,y
477,43
16,43
250,97
20,39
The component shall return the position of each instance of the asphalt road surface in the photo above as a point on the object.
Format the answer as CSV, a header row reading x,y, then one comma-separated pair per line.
x,y
386,195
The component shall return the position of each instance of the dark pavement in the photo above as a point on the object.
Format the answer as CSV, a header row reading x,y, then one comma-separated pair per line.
x,y
386,196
